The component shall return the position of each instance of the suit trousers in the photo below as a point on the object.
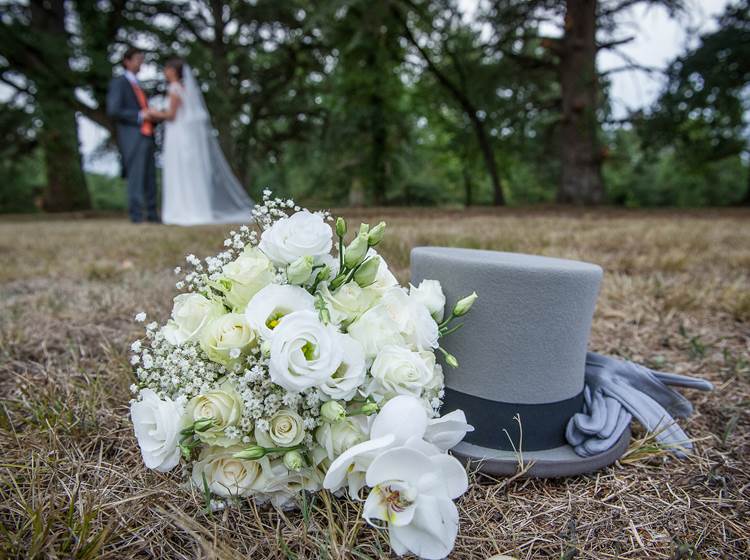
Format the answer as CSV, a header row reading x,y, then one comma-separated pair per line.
x,y
141,175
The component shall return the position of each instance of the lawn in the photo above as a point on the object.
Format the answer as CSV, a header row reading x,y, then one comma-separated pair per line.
x,y
676,296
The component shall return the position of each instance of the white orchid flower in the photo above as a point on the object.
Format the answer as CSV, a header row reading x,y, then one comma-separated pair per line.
x,y
413,493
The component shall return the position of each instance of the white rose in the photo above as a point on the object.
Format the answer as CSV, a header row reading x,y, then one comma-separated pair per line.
x,y
223,406
336,437
399,371
228,476
227,338
245,276
300,235
345,381
272,303
285,429
348,302
191,312
374,330
430,294
414,321
157,423
304,352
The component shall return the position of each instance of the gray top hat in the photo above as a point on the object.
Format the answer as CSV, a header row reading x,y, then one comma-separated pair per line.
x,y
522,354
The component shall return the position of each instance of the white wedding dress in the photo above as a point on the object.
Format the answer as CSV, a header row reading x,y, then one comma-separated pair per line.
x,y
199,186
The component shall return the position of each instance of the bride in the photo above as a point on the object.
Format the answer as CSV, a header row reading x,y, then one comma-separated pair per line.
x,y
198,185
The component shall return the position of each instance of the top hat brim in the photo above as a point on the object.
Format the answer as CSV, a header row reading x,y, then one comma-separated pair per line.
x,y
547,463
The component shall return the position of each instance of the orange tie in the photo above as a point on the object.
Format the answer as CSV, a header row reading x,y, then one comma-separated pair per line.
x,y
147,127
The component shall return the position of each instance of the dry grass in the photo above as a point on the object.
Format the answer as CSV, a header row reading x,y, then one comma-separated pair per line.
x,y
676,295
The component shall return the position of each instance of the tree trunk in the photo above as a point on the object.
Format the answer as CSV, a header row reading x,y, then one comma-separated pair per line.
x,y
66,183
468,194
581,180
498,199
746,200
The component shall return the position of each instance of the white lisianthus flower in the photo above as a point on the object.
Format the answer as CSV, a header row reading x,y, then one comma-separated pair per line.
x,y
191,312
413,493
304,352
285,429
348,377
157,424
226,476
399,371
430,294
300,235
245,276
223,407
337,437
226,338
412,317
374,330
274,302
348,302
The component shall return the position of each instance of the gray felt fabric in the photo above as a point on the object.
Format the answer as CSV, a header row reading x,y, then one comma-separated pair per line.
x,y
615,391
525,339
549,463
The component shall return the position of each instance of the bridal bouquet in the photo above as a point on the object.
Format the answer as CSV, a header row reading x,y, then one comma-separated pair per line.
x,y
286,368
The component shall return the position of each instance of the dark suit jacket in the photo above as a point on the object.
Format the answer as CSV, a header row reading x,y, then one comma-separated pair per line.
x,y
123,109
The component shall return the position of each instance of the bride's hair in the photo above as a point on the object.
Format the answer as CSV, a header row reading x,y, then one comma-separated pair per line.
x,y
175,64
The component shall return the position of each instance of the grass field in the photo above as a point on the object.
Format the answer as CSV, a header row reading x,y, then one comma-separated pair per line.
x,y
676,296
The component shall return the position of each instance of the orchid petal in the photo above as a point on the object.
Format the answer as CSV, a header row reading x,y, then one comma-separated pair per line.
x,y
447,431
359,455
400,463
453,479
403,416
432,532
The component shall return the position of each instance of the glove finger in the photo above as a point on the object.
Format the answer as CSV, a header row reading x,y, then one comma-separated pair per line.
x,y
596,419
594,446
678,380
614,408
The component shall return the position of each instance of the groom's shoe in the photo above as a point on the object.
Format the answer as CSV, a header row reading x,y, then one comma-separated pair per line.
x,y
154,220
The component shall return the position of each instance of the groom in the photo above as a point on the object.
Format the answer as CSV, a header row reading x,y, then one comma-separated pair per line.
x,y
127,106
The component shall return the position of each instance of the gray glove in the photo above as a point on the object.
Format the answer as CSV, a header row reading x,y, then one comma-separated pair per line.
x,y
617,390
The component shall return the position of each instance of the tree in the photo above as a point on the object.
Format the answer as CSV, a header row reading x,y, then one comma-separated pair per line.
x,y
701,112
586,27
440,22
35,44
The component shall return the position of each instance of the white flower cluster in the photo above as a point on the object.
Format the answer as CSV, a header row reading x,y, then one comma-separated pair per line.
x,y
293,363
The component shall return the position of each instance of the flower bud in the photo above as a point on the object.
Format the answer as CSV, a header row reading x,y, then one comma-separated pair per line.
x,y
463,306
265,348
367,272
299,271
252,453
323,274
293,460
332,411
356,251
369,408
451,360
186,451
203,424
340,226
376,234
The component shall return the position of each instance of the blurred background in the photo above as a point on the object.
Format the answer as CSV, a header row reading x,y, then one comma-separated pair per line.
x,y
395,102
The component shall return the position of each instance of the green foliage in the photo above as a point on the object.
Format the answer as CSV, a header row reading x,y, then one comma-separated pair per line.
x,y
638,178
354,102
